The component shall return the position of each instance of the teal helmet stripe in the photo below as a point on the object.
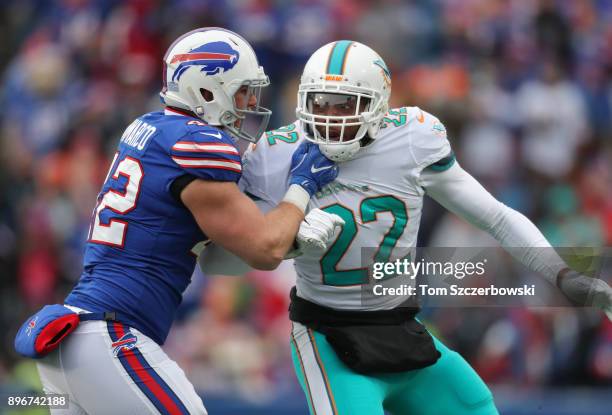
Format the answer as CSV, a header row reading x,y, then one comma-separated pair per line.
x,y
335,64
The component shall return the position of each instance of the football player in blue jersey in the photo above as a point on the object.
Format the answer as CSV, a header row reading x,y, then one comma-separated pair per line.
x,y
171,185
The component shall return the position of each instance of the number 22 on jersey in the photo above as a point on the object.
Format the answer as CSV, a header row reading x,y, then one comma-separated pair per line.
x,y
369,209
120,199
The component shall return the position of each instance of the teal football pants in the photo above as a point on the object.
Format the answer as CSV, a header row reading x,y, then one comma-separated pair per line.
x,y
448,387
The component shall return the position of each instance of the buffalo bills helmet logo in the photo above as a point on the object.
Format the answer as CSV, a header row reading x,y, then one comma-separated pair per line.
x,y
125,343
213,57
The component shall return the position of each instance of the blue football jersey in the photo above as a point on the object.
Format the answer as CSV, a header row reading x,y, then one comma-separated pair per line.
x,y
138,258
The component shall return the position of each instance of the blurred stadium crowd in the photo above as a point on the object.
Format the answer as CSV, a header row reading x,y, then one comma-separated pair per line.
x,y
523,87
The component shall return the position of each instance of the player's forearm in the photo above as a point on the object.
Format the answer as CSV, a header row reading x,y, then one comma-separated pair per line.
x,y
282,224
460,193
233,221
217,260
263,240
518,235
277,233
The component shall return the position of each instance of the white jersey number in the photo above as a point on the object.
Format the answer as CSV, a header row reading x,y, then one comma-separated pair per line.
x,y
119,201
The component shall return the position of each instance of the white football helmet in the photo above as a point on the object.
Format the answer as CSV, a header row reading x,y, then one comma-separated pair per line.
x,y
344,94
203,70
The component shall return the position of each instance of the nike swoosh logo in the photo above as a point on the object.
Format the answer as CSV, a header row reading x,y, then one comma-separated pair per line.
x,y
314,169
421,117
216,135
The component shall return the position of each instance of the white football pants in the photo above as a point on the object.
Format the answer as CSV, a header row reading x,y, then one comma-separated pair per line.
x,y
108,368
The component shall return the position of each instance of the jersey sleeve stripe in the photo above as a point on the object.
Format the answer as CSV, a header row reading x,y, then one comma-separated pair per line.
x,y
191,146
202,163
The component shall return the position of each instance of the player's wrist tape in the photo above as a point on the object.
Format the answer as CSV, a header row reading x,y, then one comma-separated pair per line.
x,y
297,195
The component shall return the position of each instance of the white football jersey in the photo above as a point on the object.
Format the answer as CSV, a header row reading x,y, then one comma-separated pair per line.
x,y
377,193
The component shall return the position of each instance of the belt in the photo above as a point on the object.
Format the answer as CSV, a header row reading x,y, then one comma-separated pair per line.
x,y
312,315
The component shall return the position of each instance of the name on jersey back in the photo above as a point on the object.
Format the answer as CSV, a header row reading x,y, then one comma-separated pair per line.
x,y
137,134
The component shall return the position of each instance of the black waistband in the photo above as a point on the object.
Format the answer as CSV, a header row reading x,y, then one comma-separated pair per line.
x,y
312,315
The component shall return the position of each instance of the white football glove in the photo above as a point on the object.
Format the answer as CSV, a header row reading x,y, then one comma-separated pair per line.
x,y
318,231
583,290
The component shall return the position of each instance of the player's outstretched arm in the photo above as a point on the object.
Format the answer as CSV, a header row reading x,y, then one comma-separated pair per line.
x,y
459,192
317,232
231,219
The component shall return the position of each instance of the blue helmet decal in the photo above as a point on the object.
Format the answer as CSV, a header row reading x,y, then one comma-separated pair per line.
x,y
213,57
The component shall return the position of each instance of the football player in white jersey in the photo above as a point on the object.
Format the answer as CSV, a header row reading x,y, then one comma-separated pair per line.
x,y
363,355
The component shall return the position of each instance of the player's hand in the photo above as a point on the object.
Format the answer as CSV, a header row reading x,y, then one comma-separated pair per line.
x,y
318,230
310,169
583,290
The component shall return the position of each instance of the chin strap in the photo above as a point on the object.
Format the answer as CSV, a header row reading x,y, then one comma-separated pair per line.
x,y
366,140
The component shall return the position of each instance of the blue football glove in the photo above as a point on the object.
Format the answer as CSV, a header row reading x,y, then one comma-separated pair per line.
x,y
310,169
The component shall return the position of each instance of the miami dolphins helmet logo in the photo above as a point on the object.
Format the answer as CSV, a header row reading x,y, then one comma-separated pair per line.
x,y
385,71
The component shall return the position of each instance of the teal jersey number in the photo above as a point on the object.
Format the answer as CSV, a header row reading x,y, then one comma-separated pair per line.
x,y
395,118
286,134
368,210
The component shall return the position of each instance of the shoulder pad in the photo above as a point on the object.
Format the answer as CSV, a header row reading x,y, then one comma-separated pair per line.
x,y
427,123
267,164
427,135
